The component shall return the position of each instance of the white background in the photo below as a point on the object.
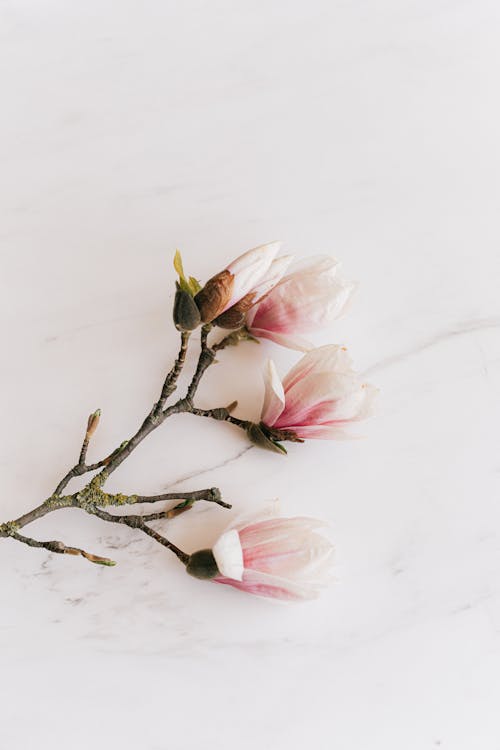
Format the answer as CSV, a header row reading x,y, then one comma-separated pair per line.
x,y
368,130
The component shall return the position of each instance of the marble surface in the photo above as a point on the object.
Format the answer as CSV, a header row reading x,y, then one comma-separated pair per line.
x,y
365,130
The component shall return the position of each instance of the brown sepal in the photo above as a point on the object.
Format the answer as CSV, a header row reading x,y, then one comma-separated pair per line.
x,y
275,434
215,295
232,318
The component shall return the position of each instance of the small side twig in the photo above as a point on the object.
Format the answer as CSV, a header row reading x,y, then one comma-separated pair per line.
x,y
210,495
60,548
81,467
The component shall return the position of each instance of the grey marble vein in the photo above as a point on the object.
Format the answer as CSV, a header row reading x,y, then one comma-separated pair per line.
x,y
460,329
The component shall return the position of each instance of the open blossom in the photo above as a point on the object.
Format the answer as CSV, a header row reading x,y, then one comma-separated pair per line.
x,y
245,281
281,558
318,397
308,298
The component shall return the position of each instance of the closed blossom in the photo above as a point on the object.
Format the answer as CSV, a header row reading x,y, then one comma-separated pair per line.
x,y
270,556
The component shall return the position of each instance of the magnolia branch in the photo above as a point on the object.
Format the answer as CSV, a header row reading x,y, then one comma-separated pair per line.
x,y
170,383
93,499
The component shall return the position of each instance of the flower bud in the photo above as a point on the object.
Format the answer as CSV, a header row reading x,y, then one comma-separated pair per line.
x,y
202,564
280,558
186,313
93,422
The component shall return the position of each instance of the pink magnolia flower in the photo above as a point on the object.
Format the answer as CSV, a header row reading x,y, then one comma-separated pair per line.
x,y
248,277
318,397
281,558
308,298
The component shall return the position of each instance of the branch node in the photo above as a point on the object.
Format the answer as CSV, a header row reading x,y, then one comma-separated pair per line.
x,y
9,528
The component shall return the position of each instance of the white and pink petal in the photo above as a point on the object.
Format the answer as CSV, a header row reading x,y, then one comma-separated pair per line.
x,y
271,587
274,395
271,277
328,358
290,342
249,269
228,554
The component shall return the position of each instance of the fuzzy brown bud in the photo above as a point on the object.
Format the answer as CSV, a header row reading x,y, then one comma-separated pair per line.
x,y
215,295
234,317
93,422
